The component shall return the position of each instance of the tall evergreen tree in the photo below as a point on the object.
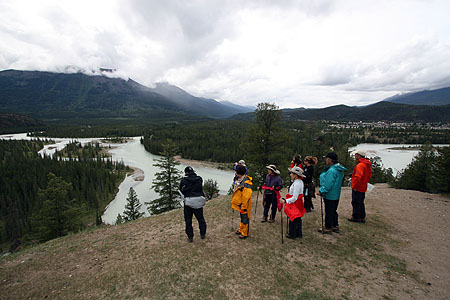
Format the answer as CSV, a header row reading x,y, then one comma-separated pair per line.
x,y
133,206
264,141
58,214
419,174
166,182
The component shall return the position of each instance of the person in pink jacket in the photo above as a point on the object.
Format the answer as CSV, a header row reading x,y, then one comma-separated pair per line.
x,y
360,177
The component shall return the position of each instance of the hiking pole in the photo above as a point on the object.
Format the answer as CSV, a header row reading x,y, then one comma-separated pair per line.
x,y
256,206
281,215
321,211
232,213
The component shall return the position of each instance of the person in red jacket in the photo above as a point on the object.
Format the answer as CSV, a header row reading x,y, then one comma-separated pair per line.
x,y
360,177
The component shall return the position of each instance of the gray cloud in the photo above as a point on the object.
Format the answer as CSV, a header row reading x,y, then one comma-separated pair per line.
x,y
297,53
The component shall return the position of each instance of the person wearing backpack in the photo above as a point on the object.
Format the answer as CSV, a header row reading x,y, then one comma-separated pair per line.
x,y
191,186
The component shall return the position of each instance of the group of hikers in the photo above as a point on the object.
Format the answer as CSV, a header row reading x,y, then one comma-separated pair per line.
x,y
296,202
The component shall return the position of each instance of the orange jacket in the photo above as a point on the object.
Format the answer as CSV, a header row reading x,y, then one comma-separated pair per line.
x,y
361,175
242,196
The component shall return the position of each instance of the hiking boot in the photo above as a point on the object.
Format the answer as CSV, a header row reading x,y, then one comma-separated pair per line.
x,y
271,220
289,236
202,237
242,237
264,219
190,240
335,229
325,230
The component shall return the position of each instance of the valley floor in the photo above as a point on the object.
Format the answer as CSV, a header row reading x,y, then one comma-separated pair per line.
x,y
402,252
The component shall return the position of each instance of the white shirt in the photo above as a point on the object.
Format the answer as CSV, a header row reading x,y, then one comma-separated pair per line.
x,y
295,190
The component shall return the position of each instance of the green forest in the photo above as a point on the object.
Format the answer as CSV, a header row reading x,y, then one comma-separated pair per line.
x,y
86,179
30,182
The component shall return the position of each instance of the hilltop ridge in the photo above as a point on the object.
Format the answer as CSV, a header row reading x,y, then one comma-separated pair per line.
x,y
400,253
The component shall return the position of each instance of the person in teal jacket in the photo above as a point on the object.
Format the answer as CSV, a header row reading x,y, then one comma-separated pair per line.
x,y
330,189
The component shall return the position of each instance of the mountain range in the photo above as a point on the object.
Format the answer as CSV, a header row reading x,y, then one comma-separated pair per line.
x,y
47,95
380,111
433,97
60,96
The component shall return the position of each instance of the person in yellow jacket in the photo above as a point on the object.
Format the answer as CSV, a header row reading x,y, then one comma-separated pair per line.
x,y
242,200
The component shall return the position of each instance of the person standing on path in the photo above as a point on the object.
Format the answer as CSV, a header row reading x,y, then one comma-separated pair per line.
x,y
271,196
242,200
360,177
294,208
191,186
330,189
309,191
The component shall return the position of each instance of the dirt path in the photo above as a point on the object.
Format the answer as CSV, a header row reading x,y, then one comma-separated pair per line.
x,y
421,222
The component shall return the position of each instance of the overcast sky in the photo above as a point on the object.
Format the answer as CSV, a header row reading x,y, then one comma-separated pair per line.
x,y
305,53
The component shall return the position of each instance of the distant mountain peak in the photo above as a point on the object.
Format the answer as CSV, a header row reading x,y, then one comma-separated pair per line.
x,y
426,97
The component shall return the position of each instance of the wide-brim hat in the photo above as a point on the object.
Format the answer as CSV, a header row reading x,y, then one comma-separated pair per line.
x,y
361,152
297,170
273,168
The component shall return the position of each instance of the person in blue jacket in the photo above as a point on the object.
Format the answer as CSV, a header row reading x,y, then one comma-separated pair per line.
x,y
330,189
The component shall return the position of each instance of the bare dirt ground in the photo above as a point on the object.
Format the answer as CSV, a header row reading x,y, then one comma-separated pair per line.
x,y
421,222
402,252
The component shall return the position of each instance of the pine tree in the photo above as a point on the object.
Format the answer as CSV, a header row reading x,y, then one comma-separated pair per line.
x,y
133,206
210,189
58,215
119,219
166,182
265,140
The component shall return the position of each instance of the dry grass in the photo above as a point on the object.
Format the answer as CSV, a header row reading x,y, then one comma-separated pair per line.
x,y
151,259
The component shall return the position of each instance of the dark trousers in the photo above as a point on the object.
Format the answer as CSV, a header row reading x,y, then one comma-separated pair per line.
x,y
295,227
308,203
268,201
198,213
359,209
331,215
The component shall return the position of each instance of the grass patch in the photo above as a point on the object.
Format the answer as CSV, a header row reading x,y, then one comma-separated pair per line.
x,y
150,259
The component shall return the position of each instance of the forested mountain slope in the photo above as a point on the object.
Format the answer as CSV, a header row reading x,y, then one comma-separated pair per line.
x,y
48,95
433,97
380,111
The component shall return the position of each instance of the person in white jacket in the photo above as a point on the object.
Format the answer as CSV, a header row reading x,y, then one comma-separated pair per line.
x,y
294,208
